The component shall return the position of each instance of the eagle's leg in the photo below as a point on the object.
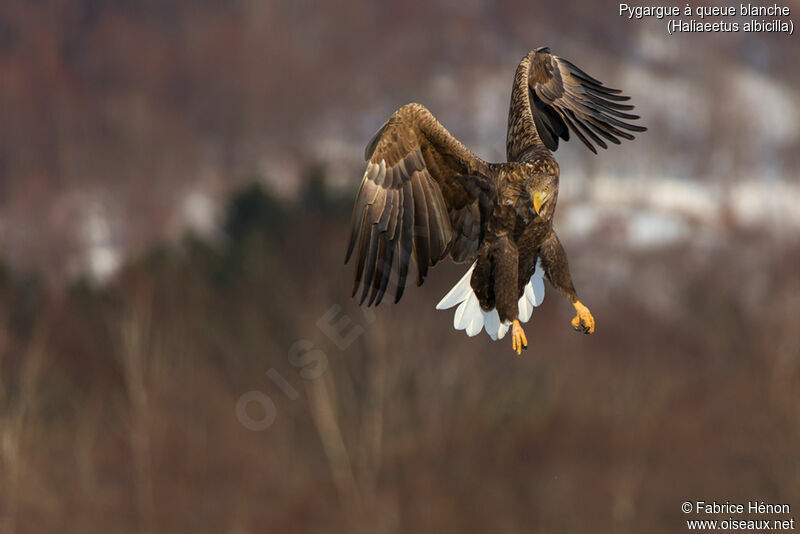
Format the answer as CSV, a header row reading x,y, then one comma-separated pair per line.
x,y
505,260
556,268
583,320
518,339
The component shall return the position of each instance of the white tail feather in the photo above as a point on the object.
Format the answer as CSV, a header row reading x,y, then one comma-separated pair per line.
x,y
525,309
491,321
470,317
459,293
537,284
458,322
473,313
503,329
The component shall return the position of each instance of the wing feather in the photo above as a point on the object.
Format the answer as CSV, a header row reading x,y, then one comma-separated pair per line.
x,y
363,242
388,247
553,97
406,240
438,220
369,266
421,232
412,203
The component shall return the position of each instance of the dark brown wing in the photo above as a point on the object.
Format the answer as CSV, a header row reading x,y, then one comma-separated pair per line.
x,y
417,198
556,97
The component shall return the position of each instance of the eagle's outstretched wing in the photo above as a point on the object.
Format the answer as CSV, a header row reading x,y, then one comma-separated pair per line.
x,y
422,193
551,96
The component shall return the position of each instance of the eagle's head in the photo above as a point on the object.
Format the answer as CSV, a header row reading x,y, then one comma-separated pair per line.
x,y
543,192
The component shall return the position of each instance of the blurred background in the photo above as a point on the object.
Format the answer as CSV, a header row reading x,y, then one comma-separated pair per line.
x,y
178,349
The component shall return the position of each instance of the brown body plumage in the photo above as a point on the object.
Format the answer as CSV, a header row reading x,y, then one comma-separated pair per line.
x,y
425,195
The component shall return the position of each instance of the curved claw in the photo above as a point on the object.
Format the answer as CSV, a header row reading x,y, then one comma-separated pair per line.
x,y
583,320
518,339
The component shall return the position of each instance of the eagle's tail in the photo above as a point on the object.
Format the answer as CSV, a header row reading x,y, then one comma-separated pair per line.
x,y
472,318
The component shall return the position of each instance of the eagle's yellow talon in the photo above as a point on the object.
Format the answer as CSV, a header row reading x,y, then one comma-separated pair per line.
x,y
518,339
583,320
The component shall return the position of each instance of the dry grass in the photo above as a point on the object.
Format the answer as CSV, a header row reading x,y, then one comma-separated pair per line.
x,y
118,406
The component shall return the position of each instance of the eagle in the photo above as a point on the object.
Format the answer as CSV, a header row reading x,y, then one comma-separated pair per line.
x,y
425,195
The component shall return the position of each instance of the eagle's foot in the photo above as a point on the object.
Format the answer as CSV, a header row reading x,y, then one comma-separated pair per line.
x,y
583,320
518,339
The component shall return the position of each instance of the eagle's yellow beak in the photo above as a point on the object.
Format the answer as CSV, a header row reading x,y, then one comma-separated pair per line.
x,y
538,200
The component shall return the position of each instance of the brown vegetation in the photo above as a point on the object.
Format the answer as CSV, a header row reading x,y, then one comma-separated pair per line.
x,y
119,405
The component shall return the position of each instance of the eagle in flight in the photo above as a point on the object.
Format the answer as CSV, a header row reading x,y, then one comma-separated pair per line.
x,y
425,195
